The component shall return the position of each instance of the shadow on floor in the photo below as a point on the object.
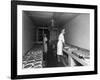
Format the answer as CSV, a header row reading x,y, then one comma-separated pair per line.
x,y
52,58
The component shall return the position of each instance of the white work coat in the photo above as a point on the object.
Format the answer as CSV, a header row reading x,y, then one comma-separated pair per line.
x,y
60,44
45,44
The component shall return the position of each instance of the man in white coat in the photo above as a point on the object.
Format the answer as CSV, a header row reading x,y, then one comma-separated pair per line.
x,y
45,49
60,45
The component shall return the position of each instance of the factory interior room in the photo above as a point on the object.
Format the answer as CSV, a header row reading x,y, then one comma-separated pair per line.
x,y
39,24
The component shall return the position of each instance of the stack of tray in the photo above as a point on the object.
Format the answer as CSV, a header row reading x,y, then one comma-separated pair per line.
x,y
33,59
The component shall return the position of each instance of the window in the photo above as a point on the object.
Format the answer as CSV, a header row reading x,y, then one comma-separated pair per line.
x,y
40,32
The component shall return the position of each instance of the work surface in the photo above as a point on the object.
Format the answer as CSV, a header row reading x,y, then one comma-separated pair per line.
x,y
81,56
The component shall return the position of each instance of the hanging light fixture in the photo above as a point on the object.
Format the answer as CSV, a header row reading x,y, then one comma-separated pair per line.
x,y
52,22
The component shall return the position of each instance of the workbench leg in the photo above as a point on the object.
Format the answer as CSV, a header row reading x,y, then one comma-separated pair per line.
x,y
71,61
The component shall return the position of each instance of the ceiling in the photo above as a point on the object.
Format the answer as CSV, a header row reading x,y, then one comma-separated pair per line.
x,y
41,18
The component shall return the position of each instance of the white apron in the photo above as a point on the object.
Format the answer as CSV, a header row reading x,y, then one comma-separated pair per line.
x,y
60,44
45,44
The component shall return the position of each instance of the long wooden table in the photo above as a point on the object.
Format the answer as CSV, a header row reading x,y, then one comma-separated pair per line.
x,y
72,57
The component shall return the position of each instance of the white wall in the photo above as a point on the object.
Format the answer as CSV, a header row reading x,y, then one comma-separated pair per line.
x,y
78,31
28,33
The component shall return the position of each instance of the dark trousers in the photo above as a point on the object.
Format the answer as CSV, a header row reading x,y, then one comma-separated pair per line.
x,y
61,59
44,59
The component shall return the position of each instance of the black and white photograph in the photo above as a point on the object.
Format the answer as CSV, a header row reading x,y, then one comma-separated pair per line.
x,y
54,39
